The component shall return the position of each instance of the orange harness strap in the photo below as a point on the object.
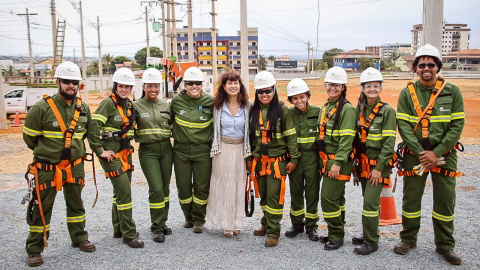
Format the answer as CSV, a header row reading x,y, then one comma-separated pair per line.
x,y
123,156
322,130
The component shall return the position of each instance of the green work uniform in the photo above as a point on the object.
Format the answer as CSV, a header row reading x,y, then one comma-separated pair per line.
x,y
338,142
43,135
107,120
306,177
446,125
380,145
156,156
192,133
283,142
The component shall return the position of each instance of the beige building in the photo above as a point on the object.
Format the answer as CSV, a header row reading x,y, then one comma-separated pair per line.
x,y
404,62
455,36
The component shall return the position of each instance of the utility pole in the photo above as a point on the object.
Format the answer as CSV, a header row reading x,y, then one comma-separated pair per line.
x,y
146,25
100,67
29,41
84,66
3,119
174,29
191,57
214,43
163,29
308,59
169,42
244,44
313,60
433,23
54,24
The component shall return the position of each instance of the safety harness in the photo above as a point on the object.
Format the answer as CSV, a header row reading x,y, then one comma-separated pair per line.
x,y
125,149
321,143
268,161
361,158
249,197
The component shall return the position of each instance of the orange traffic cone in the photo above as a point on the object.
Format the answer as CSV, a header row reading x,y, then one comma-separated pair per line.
x,y
388,211
16,121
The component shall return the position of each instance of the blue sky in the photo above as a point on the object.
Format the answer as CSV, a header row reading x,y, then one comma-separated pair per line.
x,y
284,26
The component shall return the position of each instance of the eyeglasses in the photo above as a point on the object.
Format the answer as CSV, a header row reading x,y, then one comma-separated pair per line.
x,y
429,65
336,85
372,86
67,82
152,86
193,83
266,91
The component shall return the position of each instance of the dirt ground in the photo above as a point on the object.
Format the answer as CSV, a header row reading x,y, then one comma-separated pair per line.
x,y
14,155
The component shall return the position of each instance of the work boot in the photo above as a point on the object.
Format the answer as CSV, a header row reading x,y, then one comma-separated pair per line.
x,y
85,246
117,235
292,232
323,238
34,259
159,237
167,230
271,242
312,235
260,231
133,243
365,249
450,256
197,229
188,224
358,240
403,248
332,245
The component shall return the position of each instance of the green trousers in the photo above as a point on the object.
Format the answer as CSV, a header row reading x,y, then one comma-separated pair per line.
x,y
74,208
156,161
193,167
122,219
305,179
269,191
371,211
443,204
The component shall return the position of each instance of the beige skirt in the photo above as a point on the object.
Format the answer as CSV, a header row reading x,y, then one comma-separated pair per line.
x,y
226,201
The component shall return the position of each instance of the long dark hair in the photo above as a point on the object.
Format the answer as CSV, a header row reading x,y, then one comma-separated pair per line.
x,y
221,95
341,101
274,113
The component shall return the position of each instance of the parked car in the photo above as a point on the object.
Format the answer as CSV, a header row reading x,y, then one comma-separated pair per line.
x,y
22,99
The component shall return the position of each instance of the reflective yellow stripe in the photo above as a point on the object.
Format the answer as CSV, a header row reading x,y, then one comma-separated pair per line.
x,y
290,132
412,214
100,118
347,132
192,125
305,140
114,201
297,213
442,217
370,213
276,135
157,205
459,115
335,132
386,133
166,199
374,137
406,117
126,206
189,200
78,135
311,216
331,214
146,131
38,229
107,129
198,201
264,207
76,219
52,134
342,208
31,132
274,211
440,118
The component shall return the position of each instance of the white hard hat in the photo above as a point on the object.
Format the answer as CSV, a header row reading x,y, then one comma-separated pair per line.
x,y
264,79
152,75
371,75
336,75
193,74
124,76
68,70
296,86
428,50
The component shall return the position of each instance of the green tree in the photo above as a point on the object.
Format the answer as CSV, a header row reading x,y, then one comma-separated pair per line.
x,y
141,55
119,60
10,71
107,58
328,56
317,64
366,62
93,68
271,58
262,62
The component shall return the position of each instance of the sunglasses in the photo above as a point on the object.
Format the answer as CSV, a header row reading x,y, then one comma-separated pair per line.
x,y
429,65
67,82
267,91
193,83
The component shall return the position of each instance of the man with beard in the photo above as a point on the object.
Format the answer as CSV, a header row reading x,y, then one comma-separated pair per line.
x,y
430,117
58,162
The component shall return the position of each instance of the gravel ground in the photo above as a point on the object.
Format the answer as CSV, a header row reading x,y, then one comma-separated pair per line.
x,y
211,250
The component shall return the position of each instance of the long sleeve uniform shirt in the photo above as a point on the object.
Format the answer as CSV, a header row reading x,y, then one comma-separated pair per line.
x,y
306,126
153,120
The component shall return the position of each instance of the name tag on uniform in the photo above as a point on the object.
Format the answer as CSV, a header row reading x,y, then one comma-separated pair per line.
x,y
55,124
182,112
312,130
202,118
117,118
144,115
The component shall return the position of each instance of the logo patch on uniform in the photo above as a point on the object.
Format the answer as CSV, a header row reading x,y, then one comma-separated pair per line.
x,y
312,130
165,123
202,118
55,124
374,129
144,115
117,118
182,112
443,109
